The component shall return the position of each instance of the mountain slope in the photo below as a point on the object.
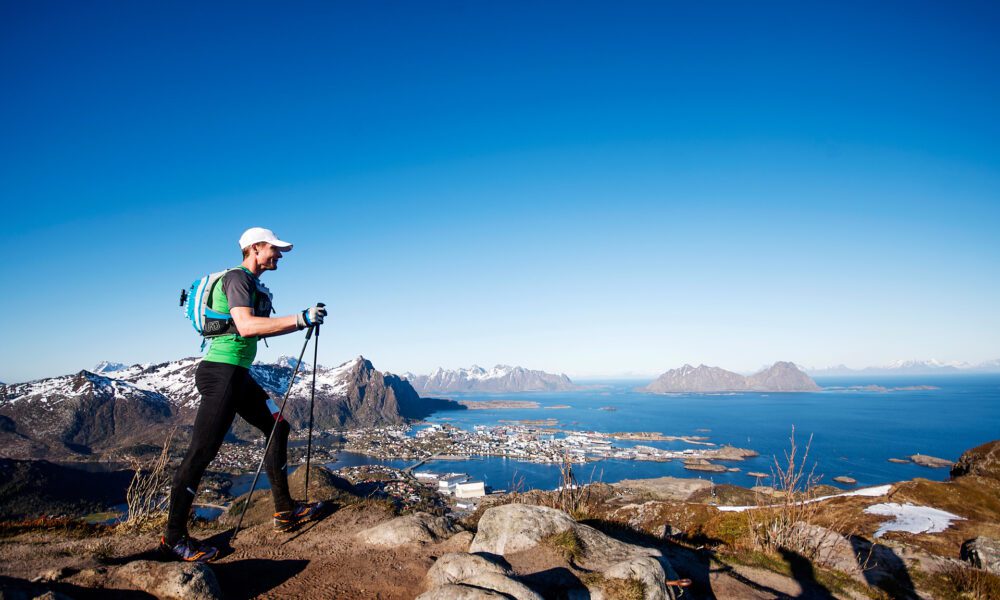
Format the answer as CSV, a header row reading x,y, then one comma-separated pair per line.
x,y
86,412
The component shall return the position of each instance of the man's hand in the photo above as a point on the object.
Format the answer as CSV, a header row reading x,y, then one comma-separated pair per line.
x,y
311,316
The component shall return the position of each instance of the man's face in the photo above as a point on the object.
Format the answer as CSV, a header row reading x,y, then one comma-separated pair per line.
x,y
268,256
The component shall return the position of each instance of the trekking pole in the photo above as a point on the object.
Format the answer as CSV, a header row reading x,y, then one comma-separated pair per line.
x,y
312,401
277,419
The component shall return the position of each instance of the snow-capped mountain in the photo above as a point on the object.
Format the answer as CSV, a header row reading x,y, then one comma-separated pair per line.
x,y
88,412
501,378
931,366
80,413
779,377
108,367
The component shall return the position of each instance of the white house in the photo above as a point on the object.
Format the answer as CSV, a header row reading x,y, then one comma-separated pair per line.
x,y
470,489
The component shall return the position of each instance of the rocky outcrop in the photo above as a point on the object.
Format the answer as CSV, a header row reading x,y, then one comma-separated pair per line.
x,y
983,553
409,529
517,527
981,461
930,461
170,580
780,377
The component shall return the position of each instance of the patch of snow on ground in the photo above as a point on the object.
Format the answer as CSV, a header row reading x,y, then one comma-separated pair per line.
x,y
872,492
911,518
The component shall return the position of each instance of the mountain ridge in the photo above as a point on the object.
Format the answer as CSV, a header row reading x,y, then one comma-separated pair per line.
x,y
86,412
501,378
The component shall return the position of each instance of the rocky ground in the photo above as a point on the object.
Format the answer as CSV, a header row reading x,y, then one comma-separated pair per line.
x,y
629,541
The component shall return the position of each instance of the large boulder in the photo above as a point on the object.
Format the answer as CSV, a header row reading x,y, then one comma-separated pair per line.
x,y
504,585
456,568
826,547
472,570
645,569
457,591
983,553
409,529
983,461
170,581
516,527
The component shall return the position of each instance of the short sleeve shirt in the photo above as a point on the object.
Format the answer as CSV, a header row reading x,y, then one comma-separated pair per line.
x,y
238,288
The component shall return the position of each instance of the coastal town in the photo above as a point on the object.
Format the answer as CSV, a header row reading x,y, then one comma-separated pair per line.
x,y
529,443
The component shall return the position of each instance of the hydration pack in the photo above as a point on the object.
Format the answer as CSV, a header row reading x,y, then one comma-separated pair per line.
x,y
207,322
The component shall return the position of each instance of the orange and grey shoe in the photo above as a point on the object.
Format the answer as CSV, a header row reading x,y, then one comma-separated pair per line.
x,y
302,513
189,550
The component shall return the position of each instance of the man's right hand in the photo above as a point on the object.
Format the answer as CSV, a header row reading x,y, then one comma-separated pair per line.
x,y
311,316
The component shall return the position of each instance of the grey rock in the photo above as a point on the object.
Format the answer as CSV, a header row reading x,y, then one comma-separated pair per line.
x,y
826,547
645,569
457,567
983,553
416,528
931,461
504,585
171,581
457,591
516,527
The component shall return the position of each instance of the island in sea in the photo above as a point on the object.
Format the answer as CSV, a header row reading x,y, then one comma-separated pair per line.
x,y
782,376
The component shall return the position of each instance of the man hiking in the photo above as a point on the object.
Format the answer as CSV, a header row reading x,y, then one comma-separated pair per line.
x,y
226,388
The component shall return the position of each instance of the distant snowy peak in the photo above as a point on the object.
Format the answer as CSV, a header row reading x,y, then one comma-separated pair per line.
x,y
501,378
108,367
931,366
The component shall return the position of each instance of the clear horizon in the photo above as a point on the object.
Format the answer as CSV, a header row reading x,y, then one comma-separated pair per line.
x,y
577,188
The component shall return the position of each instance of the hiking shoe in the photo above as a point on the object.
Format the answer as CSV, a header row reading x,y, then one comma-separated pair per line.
x,y
302,513
189,550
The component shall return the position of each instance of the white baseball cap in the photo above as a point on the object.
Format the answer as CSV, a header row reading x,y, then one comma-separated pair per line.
x,y
259,234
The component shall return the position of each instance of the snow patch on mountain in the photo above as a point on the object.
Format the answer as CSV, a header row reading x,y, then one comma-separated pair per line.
x,y
500,378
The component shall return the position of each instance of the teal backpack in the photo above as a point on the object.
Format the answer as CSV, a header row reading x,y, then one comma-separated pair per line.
x,y
210,323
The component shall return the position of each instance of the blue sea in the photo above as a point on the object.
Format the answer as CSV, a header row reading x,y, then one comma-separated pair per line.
x,y
854,432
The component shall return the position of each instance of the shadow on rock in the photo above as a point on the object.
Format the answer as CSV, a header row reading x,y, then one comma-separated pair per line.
x,y
235,581
12,588
803,573
883,568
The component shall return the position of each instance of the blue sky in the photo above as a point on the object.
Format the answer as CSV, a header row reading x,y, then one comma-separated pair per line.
x,y
589,188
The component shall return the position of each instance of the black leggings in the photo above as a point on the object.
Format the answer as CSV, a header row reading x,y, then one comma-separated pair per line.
x,y
226,390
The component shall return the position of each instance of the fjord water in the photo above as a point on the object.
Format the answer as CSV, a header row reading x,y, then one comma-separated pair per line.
x,y
854,432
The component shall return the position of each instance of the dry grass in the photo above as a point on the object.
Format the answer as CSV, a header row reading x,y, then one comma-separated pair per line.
x,y
772,524
145,496
566,543
101,549
615,589
960,583
624,589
